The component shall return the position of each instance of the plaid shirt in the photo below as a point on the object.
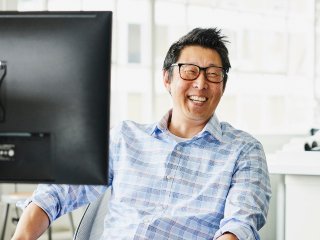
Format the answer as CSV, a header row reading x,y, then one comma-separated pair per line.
x,y
198,188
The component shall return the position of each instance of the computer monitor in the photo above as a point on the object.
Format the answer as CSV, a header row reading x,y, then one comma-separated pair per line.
x,y
55,96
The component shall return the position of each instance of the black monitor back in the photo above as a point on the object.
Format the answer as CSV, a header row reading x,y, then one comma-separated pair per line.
x,y
55,96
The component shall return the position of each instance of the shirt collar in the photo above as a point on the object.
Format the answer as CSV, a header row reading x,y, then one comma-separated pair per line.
x,y
162,125
213,127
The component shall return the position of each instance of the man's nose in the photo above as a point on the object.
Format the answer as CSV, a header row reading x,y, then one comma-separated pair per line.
x,y
201,81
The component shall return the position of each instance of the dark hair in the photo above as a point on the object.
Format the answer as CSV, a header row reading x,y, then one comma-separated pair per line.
x,y
203,37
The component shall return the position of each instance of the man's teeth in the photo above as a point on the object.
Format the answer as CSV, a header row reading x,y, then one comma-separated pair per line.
x,y
198,99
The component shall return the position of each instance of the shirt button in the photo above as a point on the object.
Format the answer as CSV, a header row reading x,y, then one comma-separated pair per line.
x,y
146,220
169,177
161,207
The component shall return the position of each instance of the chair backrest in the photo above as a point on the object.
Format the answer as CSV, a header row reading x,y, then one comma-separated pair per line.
x,y
92,222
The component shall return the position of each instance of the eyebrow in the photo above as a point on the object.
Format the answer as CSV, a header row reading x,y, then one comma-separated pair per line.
x,y
210,65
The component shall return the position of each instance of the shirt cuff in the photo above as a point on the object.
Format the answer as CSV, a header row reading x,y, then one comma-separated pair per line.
x,y
23,204
241,231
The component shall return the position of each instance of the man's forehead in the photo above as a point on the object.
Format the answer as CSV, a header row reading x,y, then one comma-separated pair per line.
x,y
195,53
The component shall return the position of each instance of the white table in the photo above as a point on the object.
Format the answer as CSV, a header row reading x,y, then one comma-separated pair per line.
x,y
298,196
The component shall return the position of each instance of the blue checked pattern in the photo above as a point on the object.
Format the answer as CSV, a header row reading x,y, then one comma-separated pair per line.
x,y
200,188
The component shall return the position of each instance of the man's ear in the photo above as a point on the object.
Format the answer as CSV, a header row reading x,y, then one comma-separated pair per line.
x,y
166,80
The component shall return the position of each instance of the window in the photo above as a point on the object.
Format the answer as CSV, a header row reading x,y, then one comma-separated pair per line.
x,y
274,82
134,43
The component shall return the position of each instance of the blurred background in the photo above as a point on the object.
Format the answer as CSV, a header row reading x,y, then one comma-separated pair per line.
x,y
273,90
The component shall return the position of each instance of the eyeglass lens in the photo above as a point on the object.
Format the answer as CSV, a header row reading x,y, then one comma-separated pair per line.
x,y
191,72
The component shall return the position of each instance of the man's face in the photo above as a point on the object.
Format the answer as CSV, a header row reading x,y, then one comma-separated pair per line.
x,y
198,99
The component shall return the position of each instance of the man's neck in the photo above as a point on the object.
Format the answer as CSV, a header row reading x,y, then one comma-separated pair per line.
x,y
186,128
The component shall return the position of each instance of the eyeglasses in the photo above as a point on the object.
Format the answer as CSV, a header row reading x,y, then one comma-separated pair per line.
x,y
191,72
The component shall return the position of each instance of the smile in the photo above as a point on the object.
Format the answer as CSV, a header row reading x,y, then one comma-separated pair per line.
x,y
198,99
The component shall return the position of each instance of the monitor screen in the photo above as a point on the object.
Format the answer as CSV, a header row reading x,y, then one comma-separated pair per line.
x,y
55,96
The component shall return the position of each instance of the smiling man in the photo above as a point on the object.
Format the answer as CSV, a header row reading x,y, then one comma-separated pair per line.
x,y
196,91
188,176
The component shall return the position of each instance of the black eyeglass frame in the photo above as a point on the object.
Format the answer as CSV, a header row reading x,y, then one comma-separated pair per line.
x,y
200,68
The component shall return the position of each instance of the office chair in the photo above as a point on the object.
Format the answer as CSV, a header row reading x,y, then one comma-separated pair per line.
x,y
92,222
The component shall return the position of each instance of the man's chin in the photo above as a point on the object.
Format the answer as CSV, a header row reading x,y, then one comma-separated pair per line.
x,y
199,117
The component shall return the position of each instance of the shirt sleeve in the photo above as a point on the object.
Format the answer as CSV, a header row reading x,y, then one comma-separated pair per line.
x,y
57,200
248,199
